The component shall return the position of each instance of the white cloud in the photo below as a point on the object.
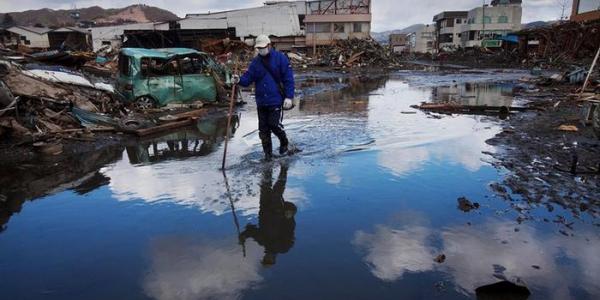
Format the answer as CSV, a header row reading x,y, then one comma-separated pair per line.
x,y
392,252
188,270
472,252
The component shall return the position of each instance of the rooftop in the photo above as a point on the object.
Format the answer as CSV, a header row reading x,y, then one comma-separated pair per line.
x,y
450,14
164,53
38,30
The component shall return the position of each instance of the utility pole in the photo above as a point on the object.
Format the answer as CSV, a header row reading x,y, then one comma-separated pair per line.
x,y
483,23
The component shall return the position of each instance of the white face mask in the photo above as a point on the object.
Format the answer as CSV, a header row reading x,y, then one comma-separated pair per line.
x,y
263,51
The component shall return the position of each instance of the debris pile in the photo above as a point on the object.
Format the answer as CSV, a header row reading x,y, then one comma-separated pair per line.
x,y
36,103
563,43
227,49
481,57
358,53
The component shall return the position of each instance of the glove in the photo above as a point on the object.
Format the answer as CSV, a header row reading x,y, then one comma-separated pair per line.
x,y
235,79
288,104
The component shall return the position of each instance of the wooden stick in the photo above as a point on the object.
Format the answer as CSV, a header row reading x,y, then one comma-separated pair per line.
x,y
587,78
231,100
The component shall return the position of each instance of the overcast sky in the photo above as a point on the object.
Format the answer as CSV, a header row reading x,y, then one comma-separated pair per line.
x,y
387,14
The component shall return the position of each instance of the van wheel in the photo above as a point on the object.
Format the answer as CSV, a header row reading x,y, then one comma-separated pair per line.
x,y
144,102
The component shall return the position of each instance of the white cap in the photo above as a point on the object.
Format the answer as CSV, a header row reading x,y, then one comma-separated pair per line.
x,y
262,41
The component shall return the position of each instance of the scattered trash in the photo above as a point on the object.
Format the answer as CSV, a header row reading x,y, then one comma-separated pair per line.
x,y
571,128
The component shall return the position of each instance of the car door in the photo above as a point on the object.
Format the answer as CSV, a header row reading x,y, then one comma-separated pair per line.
x,y
161,81
197,81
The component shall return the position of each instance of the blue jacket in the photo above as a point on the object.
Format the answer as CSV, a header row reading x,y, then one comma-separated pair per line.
x,y
267,89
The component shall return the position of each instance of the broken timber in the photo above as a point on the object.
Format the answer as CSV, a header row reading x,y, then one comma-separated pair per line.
x,y
469,109
177,121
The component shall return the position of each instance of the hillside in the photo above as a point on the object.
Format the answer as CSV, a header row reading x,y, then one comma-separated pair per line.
x,y
383,37
133,13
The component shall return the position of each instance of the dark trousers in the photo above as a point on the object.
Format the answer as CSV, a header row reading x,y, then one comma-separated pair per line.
x,y
269,120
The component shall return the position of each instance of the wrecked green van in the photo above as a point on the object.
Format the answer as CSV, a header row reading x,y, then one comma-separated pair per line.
x,y
158,77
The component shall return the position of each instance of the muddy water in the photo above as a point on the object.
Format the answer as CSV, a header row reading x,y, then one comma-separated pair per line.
x,y
361,213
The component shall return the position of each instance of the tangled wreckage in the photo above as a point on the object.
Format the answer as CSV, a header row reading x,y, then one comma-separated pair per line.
x,y
156,90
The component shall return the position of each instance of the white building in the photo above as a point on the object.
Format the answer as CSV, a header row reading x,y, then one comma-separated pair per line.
x,y
491,22
448,26
274,18
111,35
297,23
33,37
422,40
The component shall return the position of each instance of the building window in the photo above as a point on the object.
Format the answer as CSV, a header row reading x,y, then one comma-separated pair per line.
x,y
503,19
339,27
458,21
318,27
588,6
487,20
357,27
105,43
471,35
27,42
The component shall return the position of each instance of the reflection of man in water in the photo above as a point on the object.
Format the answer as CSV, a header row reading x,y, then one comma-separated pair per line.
x,y
276,224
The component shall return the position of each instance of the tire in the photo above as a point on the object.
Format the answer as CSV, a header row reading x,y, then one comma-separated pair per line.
x,y
596,121
144,102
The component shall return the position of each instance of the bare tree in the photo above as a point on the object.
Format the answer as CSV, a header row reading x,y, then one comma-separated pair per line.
x,y
564,6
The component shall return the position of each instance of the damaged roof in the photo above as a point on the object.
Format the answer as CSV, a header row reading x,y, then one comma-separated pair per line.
x,y
164,53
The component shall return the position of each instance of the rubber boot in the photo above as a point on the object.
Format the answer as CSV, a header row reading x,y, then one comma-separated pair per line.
x,y
267,146
283,148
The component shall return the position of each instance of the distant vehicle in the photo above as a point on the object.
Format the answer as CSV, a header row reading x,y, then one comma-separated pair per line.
x,y
157,77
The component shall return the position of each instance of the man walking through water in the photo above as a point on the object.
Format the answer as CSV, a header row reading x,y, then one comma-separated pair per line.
x,y
273,77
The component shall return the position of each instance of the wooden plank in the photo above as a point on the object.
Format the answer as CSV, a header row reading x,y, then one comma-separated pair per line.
x,y
185,115
167,126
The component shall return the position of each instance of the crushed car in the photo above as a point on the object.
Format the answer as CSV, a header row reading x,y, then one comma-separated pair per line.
x,y
149,78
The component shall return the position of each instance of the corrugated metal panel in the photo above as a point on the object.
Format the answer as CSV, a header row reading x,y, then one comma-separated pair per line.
x,y
279,20
203,23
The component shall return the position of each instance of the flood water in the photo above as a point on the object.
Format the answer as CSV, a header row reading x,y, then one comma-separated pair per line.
x,y
361,213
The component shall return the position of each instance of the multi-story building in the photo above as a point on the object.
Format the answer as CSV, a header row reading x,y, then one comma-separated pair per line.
x,y
292,23
399,42
585,10
330,20
486,25
448,28
422,40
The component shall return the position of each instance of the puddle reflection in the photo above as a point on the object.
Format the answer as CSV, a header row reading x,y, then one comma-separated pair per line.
x,y
202,139
189,269
169,207
276,217
554,266
476,94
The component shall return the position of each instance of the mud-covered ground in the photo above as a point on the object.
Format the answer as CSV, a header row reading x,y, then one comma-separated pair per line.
x,y
541,158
